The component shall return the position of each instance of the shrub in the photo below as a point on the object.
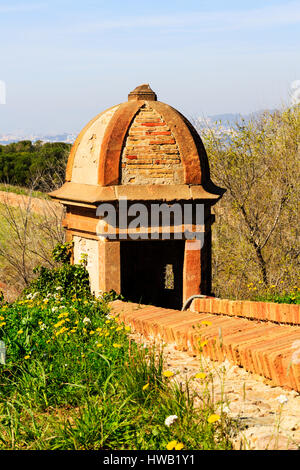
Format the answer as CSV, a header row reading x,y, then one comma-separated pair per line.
x,y
70,280
256,233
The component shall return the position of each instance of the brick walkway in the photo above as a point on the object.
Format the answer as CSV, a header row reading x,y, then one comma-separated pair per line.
x,y
265,348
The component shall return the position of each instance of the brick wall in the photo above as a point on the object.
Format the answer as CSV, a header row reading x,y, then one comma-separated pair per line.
x,y
150,154
265,311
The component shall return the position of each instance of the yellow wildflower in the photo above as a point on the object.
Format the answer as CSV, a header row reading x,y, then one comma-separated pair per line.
x,y
200,375
179,446
64,314
92,332
206,322
58,324
3,323
117,345
145,387
171,445
20,332
61,331
203,343
27,357
168,373
213,418
127,328
99,345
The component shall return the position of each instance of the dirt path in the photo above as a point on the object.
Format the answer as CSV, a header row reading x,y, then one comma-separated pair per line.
x,y
37,205
252,401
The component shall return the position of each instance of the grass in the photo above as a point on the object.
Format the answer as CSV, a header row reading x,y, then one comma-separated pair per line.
x,y
74,379
9,188
272,294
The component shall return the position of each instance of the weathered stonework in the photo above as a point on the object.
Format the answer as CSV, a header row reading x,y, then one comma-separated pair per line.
x,y
146,152
86,161
150,154
88,248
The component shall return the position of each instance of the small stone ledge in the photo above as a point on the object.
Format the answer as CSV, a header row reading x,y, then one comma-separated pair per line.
x,y
263,311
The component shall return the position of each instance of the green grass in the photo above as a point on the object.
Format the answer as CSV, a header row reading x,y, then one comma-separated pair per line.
x,y
74,379
23,191
273,295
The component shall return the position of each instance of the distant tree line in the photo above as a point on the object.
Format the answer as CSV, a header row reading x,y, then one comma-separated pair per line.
x,y
40,165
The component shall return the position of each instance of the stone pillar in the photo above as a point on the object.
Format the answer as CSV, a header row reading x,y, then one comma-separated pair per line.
x,y
109,265
197,262
191,269
88,247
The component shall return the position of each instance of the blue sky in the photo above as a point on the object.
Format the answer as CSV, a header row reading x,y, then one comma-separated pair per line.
x,y
65,61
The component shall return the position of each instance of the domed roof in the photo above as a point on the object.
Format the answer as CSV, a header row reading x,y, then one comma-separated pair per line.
x,y
141,144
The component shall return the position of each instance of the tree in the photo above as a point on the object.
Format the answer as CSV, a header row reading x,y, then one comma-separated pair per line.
x,y
256,234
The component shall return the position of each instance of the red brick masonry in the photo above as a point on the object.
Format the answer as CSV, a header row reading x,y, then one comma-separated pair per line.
x,y
265,348
269,311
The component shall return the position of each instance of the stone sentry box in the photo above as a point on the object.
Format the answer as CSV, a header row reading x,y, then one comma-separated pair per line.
x,y
145,151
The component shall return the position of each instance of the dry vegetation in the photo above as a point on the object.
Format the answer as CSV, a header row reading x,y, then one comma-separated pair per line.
x,y
27,239
256,233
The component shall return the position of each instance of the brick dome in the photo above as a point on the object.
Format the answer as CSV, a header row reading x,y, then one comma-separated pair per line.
x,y
141,157
141,143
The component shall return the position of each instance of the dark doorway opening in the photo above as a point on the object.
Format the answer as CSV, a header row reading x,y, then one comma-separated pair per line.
x,y
152,272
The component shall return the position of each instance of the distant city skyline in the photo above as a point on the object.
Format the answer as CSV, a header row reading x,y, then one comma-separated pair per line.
x,y
221,122
63,62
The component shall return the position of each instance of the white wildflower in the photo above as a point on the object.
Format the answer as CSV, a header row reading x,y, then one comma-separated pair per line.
x,y
226,409
43,326
58,288
170,420
86,320
282,399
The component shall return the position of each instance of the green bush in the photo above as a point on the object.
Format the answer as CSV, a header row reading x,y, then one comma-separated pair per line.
x,y
75,379
70,279
280,297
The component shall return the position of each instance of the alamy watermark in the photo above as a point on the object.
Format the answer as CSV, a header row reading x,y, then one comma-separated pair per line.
x,y
295,95
152,221
2,92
